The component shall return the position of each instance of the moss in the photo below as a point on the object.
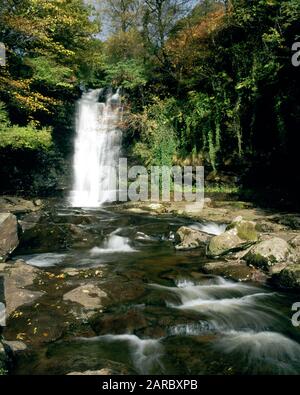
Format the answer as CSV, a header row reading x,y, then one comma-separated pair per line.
x,y
247,231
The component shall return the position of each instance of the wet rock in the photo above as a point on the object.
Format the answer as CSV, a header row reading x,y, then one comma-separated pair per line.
x,y
124,291
190,238
48,236
43,237
29,221
18,205
269,253
289,277
17,277
72,272
8,235
235,270
88,296
101,372
128,322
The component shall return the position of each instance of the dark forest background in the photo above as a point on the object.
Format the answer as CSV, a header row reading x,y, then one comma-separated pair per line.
x,y
203,82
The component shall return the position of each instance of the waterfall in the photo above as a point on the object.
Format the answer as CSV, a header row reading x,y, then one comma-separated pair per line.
x,y
97,149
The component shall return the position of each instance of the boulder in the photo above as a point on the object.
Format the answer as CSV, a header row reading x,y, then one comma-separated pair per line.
x,y
17,277
189,238
295,242
88,296
289,277
245,230
239,235
8,235
269,253
18,205
235,270
29,221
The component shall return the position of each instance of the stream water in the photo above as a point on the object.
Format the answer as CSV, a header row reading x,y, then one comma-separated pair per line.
x,y
162,313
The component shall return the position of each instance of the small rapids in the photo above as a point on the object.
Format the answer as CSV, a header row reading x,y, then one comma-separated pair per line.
x,y
242,318
114,244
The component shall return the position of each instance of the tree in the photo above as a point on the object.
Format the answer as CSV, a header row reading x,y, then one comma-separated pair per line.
x,y
160,17
123,14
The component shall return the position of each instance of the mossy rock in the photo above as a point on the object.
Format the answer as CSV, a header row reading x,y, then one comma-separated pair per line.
x,y
269,253
246,230
290,277
226,243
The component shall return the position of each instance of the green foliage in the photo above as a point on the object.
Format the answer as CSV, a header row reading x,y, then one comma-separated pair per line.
x,y
158,143
20,138
48,71
129,75
13,137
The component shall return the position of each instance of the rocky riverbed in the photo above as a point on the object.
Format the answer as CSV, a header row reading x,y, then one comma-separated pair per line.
x,y
134,288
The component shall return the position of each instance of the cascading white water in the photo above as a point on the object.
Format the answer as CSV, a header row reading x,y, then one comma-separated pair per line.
x,y
97,149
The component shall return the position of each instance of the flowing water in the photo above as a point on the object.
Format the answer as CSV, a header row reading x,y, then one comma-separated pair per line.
x,y
97,149
162,313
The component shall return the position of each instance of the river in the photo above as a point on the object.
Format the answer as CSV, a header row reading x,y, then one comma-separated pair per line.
x,y
162,313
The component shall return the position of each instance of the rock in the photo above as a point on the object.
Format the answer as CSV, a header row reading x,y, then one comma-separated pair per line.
x,y
235,270
17,276
70,271
190,238
276,269
226,243
157,207
290,277
17,205
50,236
89,296
245,229
29,221
239,235
269,253
295,242
38,202
290,220
101,372
8,235
129,322
269,227
208,202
